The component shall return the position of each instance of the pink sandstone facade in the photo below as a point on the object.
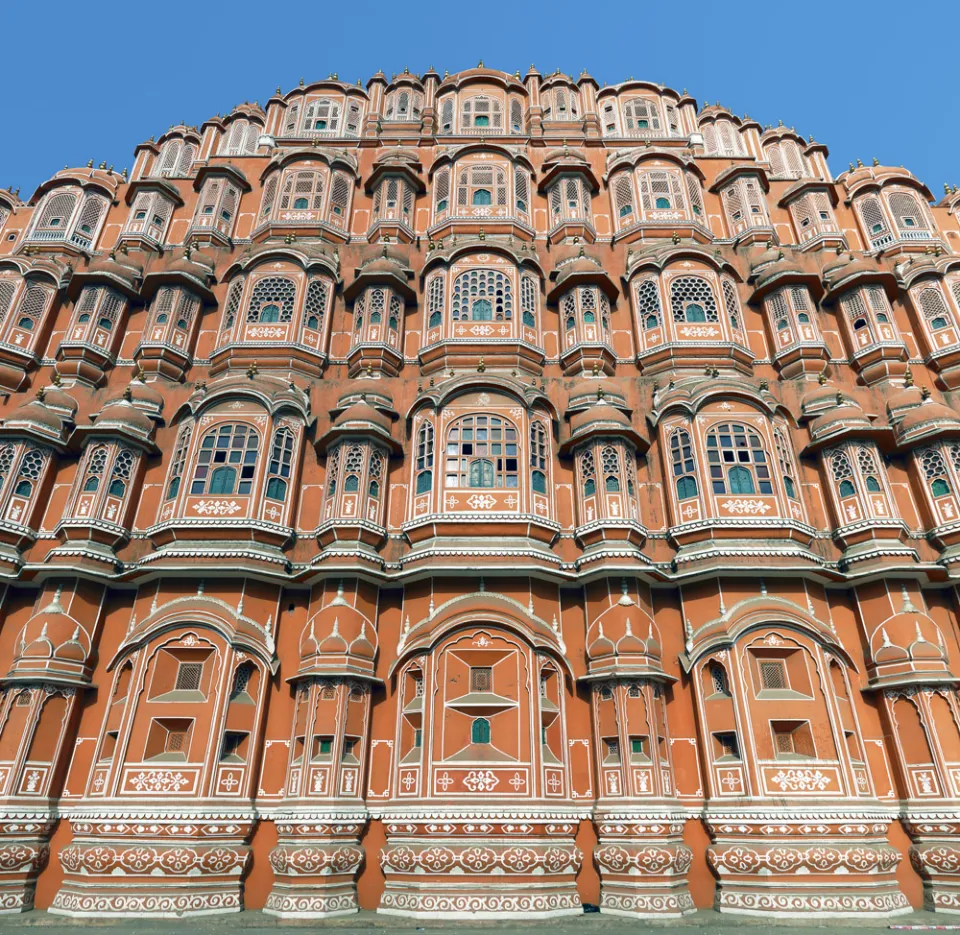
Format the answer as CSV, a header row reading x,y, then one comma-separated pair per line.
x,y
479,495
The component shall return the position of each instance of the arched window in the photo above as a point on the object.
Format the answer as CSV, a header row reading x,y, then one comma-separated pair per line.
x,y
482,451
737,460
842,472
303,190
661,190
441,191
281,457
120,476
33,303
31,467
482,185
731,303
481,112
934,308
785,460
908,213
272,300
95,468
588,474
538,457
935,471
480,730
641,115
424,483
227,461
528,301
648,304
718,679
623,198
446,115
610,464
692,300
316,305
178,463
322,116
868,470
482,295
6,462
683,464
57,211
435,302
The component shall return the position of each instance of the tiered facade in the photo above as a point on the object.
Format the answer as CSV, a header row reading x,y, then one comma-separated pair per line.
x,y
479,495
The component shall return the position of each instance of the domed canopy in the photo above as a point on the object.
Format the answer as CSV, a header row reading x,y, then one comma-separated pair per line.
x,y
908,648
37,420
580,270
624,641
928,420
845,420
601,417
338,641
52,646
359,416
122,418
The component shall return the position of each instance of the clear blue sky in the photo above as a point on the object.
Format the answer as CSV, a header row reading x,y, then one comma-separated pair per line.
x,y
93,80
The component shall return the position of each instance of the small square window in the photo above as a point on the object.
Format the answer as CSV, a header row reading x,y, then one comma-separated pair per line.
x,y
481,678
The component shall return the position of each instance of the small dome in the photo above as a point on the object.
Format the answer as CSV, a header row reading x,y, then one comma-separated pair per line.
x,y
845,414
54,646
820,397
38,417
600,415
124,416
926,417
338,639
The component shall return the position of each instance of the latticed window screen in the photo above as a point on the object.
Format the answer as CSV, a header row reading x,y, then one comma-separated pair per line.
x,y
482,451
227,461
873,217
57,211
481,678
322,115
718,678
934,307
481,112
773,675
661,190
641,114
692,300
272,300
32,305
732,304
31,467
7,291
96,465
339,199
648,304
482,295
907,211
6,462
694,194
303,190
538,457
188,676
588,473
623,199
122,469
315,307
94,207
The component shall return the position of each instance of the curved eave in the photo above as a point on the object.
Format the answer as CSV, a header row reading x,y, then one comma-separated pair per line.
x,y
405,171
286,252
223,170
882,435
111,431
883,277
154,280
358,430
321,671
88,277
767,282
751,169
620,671
567,280
478,146
604,430
288,156
150,184
558,169
881,683
398,281
808,185
436,257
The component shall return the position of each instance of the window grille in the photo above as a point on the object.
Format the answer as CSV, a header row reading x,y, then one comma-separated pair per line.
x,y
641,115
185,162
718,678
692,299
179,460
424,465
683,464
648,304
729,744
6,462
623,198
281,458
737,460
232,304
122,469
242,678
482,295
482,451
694,194
316,305
57,211
934,308
588,474
481,678
7,291
731,303
33,303
188,676
227,461
269,197
272,300
773,675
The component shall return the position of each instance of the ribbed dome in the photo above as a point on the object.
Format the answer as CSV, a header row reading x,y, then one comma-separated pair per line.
x,y
53,646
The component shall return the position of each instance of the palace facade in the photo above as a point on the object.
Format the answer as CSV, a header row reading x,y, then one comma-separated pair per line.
x,y
480,494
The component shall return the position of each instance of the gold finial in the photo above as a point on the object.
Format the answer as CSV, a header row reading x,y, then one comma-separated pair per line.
x,y
925,393
596,369
252,370
301,82
128,395
675,237
839,398
764,386
600,393
859,164
89,164
482,235
851,166
908,378
278,90
481,366
876,161
946,188
41,394
140,376
55,378
480,64
822,379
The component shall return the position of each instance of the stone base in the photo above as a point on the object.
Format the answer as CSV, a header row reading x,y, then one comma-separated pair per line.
x,y
157,867
935,855
800,865
481,867
643,866
24,850
315,866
